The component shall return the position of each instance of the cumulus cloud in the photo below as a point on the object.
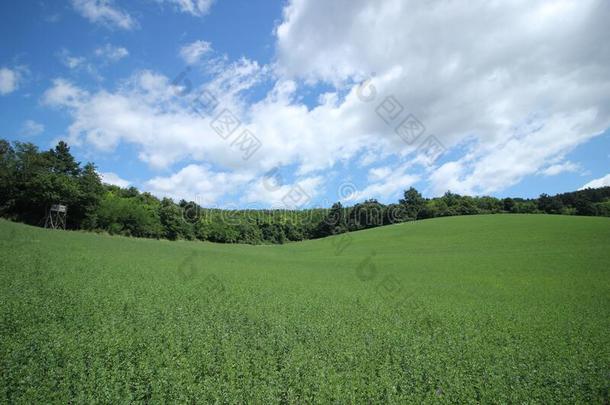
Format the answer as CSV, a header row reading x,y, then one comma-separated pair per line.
x,y
111,53
63,94
193,7
384,182
515,84
508,88
597,183
71,61
150,112
31,128
114,179
197,183
565,167
78,64
299,194
502,163
9,80
192,53
104,12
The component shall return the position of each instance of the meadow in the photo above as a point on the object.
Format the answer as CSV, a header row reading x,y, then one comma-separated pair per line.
x,y
470,309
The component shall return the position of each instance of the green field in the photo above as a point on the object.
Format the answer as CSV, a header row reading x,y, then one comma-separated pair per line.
x,y
482,309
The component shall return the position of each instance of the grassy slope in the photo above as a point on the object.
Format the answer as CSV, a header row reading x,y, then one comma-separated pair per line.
x,y
487,308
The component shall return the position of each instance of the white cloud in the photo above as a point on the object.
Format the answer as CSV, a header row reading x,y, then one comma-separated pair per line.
x,y
565,167
194,7
516,84
148,111
114,179
63,94
111,53
72,62
78,64
192,53
379,173
509,87
384,182
597,183
503,163
206,187
197,183
298,194
9,80
31,128
104,12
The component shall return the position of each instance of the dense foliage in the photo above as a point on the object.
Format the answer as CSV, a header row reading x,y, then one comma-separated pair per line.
x,y
32,180
505,309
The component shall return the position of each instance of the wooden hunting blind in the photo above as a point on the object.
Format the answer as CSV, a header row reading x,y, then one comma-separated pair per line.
x,y
56,217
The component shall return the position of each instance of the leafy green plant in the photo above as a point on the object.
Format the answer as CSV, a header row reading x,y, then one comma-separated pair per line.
x,y
478,309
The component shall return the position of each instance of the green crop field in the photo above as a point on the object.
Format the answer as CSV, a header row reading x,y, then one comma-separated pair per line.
x,y
482,309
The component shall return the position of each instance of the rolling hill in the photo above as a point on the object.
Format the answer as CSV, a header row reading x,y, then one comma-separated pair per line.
x,y
498,308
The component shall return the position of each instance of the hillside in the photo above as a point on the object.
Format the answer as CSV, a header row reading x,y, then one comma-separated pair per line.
x,y
33,180
498,308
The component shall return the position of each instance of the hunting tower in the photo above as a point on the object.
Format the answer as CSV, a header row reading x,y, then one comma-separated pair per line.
x,y
56,217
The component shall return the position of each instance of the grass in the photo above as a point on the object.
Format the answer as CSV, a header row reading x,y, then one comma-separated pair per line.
x,y
488,309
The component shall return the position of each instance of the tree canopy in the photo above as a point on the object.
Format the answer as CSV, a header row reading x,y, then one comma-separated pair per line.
x,y
32,180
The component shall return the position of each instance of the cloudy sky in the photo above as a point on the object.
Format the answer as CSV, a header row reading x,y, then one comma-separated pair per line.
x,y
241,103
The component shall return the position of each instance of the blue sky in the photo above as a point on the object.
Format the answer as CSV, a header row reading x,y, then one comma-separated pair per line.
x,y
512,110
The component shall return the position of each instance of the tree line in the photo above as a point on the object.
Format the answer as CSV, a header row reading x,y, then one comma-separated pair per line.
x,y
32,180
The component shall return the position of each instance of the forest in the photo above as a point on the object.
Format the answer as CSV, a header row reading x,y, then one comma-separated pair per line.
x,y
31,180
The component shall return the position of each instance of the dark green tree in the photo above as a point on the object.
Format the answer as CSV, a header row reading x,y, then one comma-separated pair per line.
x,y
508,204
62,161
550,205
394,213
91,192
413,203
335,221
584,207
171,219
7,176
